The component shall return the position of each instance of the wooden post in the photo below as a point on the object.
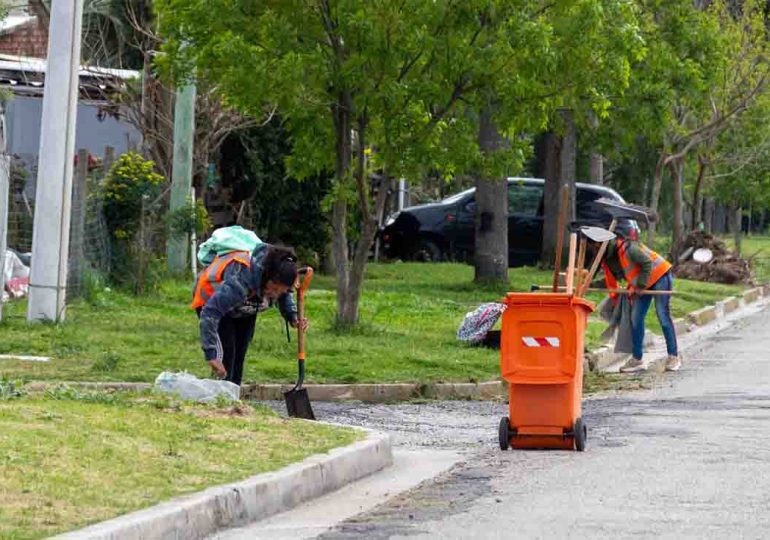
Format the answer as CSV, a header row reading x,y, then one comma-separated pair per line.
x,y
193,240
571,263
77,252
108,159
581,261
562,223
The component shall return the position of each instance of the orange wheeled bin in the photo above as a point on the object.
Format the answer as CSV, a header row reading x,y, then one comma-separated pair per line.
x,y
541,358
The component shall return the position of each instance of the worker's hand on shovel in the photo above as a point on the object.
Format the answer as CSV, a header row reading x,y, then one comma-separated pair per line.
x,y
218,368
305,324
635,291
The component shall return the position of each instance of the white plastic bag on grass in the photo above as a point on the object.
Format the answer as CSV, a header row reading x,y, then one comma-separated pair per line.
x,y
191,387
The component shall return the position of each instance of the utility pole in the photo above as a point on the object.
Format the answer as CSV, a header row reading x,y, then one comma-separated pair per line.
x,y
50,237
181,174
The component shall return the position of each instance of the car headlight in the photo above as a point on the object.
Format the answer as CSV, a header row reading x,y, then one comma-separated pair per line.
x,y
391,219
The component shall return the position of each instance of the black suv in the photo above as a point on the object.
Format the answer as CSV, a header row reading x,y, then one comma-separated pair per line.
x,y
445,230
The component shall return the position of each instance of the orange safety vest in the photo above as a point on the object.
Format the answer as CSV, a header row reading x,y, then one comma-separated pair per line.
x,y
631,270
211,278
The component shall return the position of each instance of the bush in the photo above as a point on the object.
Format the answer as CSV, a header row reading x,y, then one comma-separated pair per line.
x,y
188,219
132,194
131,186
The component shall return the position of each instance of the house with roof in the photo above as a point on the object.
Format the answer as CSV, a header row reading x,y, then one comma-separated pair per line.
x,y
23,50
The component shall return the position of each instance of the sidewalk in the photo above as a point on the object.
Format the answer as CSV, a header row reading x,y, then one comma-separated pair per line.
x,y
702,324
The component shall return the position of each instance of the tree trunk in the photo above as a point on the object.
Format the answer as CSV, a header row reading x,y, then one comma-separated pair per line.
x,y
708,215
550,199
491,253
677,172
597,160
597,168
346,308
736,227
748,228
561,153
646,191
369,222
697,207
655,198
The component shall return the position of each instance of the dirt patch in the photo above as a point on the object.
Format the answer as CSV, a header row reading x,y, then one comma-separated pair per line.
x,y
239,409
725,267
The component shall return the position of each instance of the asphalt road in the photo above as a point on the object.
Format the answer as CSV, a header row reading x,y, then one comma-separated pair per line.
x,y
688,459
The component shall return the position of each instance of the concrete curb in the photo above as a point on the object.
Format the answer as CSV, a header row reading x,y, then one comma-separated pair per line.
x,y
201,514
369,393
602,358
703,316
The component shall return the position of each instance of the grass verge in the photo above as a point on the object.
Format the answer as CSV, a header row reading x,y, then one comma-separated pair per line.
x,y
409,314
756,248
69,459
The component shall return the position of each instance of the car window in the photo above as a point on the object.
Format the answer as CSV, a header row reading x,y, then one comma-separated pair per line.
x,y
457,196
524,199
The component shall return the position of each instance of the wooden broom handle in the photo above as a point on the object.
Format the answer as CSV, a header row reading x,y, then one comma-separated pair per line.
x,y
562,223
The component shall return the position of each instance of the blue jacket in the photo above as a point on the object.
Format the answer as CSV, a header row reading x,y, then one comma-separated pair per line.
x,y
239,285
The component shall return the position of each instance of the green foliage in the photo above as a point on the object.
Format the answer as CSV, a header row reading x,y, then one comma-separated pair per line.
x,y
670,77
94,288
108,362
280,208
188,219
132,196
740,154
10,389
409,79
130,186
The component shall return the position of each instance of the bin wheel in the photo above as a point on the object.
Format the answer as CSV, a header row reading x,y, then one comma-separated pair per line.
x,y
581,435
504,433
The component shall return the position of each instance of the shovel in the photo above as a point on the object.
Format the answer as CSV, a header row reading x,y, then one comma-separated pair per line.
x,y
297,400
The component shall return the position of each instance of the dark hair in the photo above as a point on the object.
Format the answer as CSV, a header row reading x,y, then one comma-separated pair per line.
x,y
279,266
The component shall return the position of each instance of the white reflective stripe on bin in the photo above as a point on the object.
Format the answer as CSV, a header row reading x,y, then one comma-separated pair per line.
x,y
531,341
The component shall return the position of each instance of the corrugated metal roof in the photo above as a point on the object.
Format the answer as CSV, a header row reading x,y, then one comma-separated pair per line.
x,y
14,20
9,62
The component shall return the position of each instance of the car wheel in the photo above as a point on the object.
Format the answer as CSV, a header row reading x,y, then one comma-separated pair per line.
x,y
427,251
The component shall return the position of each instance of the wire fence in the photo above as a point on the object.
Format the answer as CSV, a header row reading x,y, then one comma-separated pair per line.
x,y
90,249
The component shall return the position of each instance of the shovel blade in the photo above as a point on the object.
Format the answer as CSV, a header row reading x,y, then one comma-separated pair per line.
x,y
298,404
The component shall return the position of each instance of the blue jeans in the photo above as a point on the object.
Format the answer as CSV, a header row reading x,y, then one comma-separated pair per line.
x,y
663,310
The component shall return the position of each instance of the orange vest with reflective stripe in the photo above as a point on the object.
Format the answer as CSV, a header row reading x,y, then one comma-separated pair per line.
x,y
631,270
211,278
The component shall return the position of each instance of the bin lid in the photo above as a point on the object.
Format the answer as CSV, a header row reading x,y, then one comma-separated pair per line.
x,y
547,299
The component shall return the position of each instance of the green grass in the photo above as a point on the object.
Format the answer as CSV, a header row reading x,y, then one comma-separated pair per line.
x,y
757,249
409,315
69,459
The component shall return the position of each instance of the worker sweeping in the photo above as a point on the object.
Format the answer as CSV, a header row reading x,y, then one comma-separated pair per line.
x,y
228,295
643,270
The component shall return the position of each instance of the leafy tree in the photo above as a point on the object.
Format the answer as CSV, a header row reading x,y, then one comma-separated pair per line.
x,y
593,45
704,67
359,84
266,198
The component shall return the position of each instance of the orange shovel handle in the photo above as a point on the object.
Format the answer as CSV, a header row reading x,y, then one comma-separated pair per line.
x,y
308,271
